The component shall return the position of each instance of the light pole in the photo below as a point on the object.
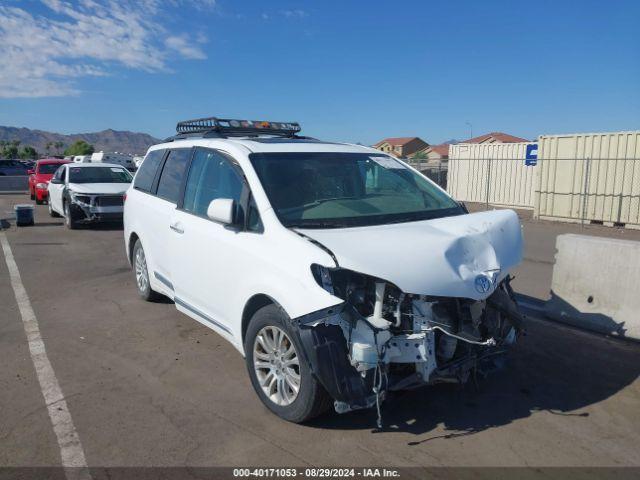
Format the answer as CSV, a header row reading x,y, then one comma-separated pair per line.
x,y
470,129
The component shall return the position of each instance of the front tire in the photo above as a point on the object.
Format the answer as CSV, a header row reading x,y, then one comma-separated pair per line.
x,y
52,212
69,218
142,274
277,368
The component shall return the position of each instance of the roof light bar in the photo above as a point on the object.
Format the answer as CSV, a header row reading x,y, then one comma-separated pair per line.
x,y
231,127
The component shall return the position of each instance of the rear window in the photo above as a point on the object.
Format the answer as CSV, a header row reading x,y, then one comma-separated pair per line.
x,y
48,168
147,171
172,174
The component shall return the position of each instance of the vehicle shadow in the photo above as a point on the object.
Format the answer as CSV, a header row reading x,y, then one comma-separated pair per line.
x,y
103,226
560,309
163,300
48,224
553,368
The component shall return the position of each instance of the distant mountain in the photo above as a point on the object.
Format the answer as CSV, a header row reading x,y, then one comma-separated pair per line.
x,y
106,140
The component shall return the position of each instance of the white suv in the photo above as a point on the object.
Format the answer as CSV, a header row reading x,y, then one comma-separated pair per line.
x,y
339,272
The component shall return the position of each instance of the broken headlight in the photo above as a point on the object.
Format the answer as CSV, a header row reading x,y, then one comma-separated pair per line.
x,y
359,290
83,199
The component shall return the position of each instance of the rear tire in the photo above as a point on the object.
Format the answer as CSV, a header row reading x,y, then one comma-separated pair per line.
x,y
268,367
142,274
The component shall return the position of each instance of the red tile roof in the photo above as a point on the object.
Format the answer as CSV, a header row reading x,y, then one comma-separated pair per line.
x,y
499,136
396,141
442,149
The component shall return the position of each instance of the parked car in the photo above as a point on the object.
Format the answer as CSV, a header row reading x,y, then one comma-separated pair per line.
x,y
39,178
28,163
137,161
114,157
88,192
12,168
338,271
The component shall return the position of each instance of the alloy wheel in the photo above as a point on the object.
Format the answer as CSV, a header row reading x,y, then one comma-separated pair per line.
x,y
276,365
142,276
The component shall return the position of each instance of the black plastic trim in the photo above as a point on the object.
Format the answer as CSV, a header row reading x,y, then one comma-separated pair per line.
x,y
163,279
204,316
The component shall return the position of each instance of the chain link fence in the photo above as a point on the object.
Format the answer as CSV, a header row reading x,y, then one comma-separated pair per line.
x,y
435,171
585,190
590,190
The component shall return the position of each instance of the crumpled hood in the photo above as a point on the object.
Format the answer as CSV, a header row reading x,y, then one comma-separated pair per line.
x,y
95,188
463,256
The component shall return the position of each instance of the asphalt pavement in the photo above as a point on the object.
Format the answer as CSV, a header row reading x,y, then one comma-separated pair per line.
x,y
148,386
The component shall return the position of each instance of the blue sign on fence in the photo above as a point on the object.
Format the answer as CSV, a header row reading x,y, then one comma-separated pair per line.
x,y
531,160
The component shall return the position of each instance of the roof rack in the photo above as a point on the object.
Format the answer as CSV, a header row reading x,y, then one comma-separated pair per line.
x,y
226,127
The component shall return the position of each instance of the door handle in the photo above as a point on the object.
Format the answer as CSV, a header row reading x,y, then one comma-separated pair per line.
x,y
176,227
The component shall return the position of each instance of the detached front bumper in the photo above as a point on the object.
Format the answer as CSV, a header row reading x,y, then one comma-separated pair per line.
x,y
358,363
97,208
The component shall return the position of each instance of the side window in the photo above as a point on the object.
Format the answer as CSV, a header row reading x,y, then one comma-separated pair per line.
x,y
147,171
254,224
60,173
172,174
211,176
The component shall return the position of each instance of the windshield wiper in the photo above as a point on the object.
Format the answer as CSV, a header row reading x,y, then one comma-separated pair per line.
x,y
315,203
319,224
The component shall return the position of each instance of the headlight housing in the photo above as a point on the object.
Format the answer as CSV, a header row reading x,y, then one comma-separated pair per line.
x,y
357,289
78,198
41,186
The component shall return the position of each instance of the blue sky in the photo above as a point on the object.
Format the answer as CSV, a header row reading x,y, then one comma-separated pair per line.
x,y
347,70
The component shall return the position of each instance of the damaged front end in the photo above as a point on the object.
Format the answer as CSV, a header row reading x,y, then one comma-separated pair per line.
x,y
381,339
96,207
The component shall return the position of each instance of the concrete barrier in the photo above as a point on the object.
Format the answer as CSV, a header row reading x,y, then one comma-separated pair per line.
x,y
14,183
596,284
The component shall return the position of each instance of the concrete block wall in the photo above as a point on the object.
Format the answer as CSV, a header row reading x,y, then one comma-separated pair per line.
x,y
596,284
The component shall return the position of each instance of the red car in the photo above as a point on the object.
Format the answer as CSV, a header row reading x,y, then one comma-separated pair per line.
x,y
40,176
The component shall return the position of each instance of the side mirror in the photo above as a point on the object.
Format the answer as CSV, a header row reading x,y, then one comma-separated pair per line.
x,y
55,181
30,171
221,210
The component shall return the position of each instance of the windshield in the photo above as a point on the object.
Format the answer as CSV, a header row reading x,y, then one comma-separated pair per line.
x,y
331,190
48,168
99,175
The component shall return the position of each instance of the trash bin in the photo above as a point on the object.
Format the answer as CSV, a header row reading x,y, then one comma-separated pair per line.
x,y
24,215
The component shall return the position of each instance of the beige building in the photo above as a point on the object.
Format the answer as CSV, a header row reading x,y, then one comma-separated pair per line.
x,y
401,146
434,153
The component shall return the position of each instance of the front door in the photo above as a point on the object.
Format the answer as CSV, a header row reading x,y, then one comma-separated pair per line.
x,y
56,189
205,253
160,212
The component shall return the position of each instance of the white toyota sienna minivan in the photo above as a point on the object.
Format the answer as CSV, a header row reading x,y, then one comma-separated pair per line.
x,y
339,272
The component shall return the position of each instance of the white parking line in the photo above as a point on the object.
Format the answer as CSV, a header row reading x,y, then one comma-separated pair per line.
x,y
71,451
